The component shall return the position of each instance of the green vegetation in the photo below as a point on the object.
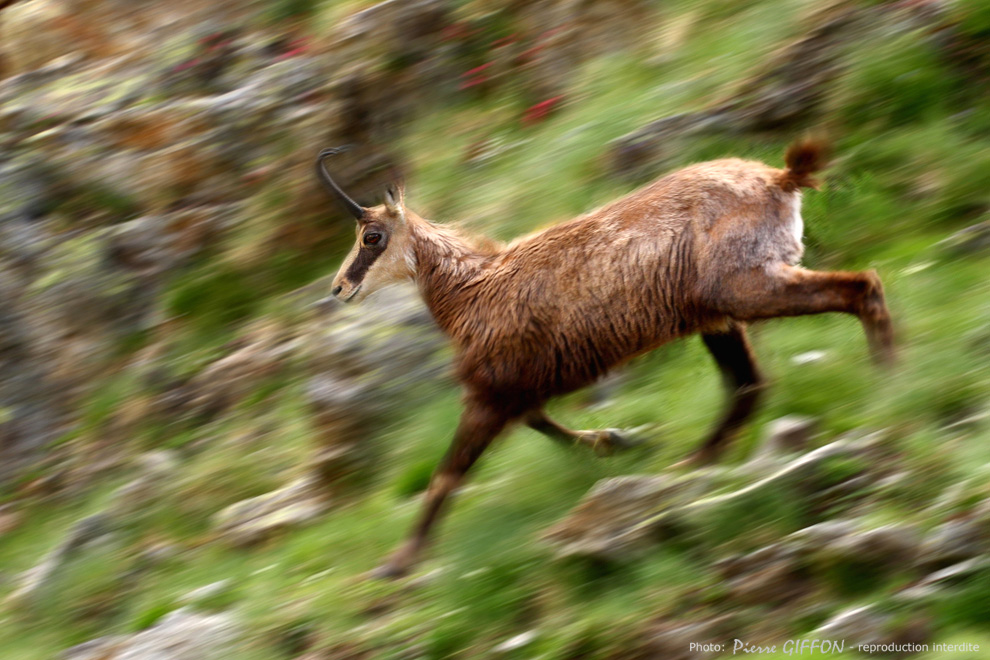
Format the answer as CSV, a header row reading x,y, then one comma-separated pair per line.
x,y
912,157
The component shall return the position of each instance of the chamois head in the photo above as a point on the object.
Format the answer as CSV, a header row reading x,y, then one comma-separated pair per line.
x,y
382,254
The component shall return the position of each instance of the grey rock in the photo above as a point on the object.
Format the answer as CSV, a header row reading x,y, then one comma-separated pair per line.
x,y
885,550
787,435
868,625
208,592
736,565
137,497
936,585
620,517
158,553
774,583
954,541
142,246
817,536
328,392
25,191
517,642
672,640
951,576
893,482
639,153
37,579
31,397
76,309
260,354
950,500
888,549
256,519
366,365
768,576
972,240
610,522
184,635
801,476
102,648
857,625
390,338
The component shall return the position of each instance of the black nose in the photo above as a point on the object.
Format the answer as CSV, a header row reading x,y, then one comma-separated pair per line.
x,y
336,290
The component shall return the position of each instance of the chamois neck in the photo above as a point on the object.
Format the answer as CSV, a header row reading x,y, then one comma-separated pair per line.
x,y
446,264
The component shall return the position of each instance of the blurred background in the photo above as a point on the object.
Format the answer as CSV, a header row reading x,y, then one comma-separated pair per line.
x,y
197,462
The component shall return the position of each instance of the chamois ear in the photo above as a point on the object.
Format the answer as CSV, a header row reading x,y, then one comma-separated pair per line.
x,y
395,200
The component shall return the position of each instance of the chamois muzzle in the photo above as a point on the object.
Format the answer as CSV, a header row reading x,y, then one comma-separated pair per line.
x,y
321,172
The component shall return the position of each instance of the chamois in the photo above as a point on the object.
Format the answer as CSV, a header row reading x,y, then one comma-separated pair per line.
x,y
705,249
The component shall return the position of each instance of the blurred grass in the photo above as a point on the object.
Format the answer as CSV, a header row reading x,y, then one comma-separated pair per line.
x,y
911,169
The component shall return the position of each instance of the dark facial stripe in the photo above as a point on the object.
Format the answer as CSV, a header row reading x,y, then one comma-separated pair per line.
x,y
366,256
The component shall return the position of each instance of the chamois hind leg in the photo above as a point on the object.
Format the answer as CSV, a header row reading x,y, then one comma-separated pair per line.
x,y
792,291
480,423
604,442
743,381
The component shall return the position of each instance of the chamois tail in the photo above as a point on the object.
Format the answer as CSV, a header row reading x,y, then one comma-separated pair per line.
x,y
803,158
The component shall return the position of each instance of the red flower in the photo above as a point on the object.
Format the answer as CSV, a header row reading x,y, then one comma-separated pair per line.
x,y
459,30
475,76
188,64
541,110
296,48
474,81
504,41
476,70
529,54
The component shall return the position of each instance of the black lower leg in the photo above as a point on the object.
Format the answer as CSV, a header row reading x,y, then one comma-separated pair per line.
x,y
735,360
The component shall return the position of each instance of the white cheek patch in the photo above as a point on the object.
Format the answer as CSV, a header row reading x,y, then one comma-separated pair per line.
x,y
394,266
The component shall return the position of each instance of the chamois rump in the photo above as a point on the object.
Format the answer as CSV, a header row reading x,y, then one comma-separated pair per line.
x,y
705,249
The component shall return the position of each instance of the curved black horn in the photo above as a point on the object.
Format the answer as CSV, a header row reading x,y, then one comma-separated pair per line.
x,y
321,171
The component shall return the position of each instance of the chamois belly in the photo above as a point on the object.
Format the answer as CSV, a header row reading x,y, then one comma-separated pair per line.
x,y
551,350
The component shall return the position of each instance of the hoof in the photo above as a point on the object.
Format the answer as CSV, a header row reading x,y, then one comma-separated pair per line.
x,y
621,440
610,441
388,571
695,460
884,357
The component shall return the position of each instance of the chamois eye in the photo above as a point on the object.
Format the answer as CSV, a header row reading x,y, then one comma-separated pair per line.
x,y
372,238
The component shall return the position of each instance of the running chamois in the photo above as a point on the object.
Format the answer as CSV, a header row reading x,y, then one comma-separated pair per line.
x,y
706,249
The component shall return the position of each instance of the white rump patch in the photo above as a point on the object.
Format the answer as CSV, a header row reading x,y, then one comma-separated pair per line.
x,y
797,222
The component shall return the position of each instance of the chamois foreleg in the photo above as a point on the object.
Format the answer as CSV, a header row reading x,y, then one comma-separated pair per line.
x,y
792,291
743,381
604,442
480,423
